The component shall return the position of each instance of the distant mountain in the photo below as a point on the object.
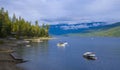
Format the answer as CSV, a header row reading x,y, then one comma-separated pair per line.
x,y
64,28
112,30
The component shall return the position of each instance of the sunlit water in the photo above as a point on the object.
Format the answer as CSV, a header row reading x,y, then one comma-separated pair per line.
x,y
47,56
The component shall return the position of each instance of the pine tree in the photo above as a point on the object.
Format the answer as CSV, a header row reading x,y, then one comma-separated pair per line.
x,y
19,27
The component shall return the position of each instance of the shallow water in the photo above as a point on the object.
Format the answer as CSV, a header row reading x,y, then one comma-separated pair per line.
x,y
47,56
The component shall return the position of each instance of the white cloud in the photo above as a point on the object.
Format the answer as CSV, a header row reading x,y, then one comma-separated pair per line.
x,y
101,6
75,10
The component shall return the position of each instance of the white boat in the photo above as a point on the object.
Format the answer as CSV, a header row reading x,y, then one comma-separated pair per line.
x,y
90,55
62,44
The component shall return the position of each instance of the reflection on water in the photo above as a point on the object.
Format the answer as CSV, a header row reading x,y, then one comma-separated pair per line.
x,y
48,56
34,49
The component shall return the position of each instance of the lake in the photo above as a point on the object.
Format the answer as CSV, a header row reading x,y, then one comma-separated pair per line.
x,y
48,56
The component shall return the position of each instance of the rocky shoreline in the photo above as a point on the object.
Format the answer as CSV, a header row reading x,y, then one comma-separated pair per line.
x,y
6,61
8,46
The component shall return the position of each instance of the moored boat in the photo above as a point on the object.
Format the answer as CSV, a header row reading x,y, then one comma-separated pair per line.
x,y
62,44
90,55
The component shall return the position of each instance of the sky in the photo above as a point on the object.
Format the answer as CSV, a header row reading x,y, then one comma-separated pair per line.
x,y
64,11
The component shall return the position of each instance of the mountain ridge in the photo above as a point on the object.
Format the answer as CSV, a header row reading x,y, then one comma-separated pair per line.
x,y
64,28
112,30
61,29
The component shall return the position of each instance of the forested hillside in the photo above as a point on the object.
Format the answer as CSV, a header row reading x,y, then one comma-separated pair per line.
x,y
17,27
110,30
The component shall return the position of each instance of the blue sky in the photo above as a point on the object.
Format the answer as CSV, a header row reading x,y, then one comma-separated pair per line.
x,y
60,11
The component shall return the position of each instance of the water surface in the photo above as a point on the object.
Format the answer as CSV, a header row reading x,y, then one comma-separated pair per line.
x,y
47,56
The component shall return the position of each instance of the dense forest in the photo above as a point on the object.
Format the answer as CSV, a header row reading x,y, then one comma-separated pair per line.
x,y
19,27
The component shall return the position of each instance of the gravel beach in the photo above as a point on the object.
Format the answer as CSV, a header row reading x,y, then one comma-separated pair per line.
x,y
6,61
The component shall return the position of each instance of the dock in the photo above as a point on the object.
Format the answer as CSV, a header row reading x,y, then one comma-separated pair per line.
x,y
16,57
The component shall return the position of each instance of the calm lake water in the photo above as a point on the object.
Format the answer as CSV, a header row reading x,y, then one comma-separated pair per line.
x,y
47,56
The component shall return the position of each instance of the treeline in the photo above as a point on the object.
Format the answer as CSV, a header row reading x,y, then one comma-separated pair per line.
x,y
18,27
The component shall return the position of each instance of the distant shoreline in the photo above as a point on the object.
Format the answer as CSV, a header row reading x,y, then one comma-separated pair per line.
x,y
39,39
42,38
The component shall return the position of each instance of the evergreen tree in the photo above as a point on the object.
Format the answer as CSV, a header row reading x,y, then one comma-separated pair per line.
x,y
20,27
